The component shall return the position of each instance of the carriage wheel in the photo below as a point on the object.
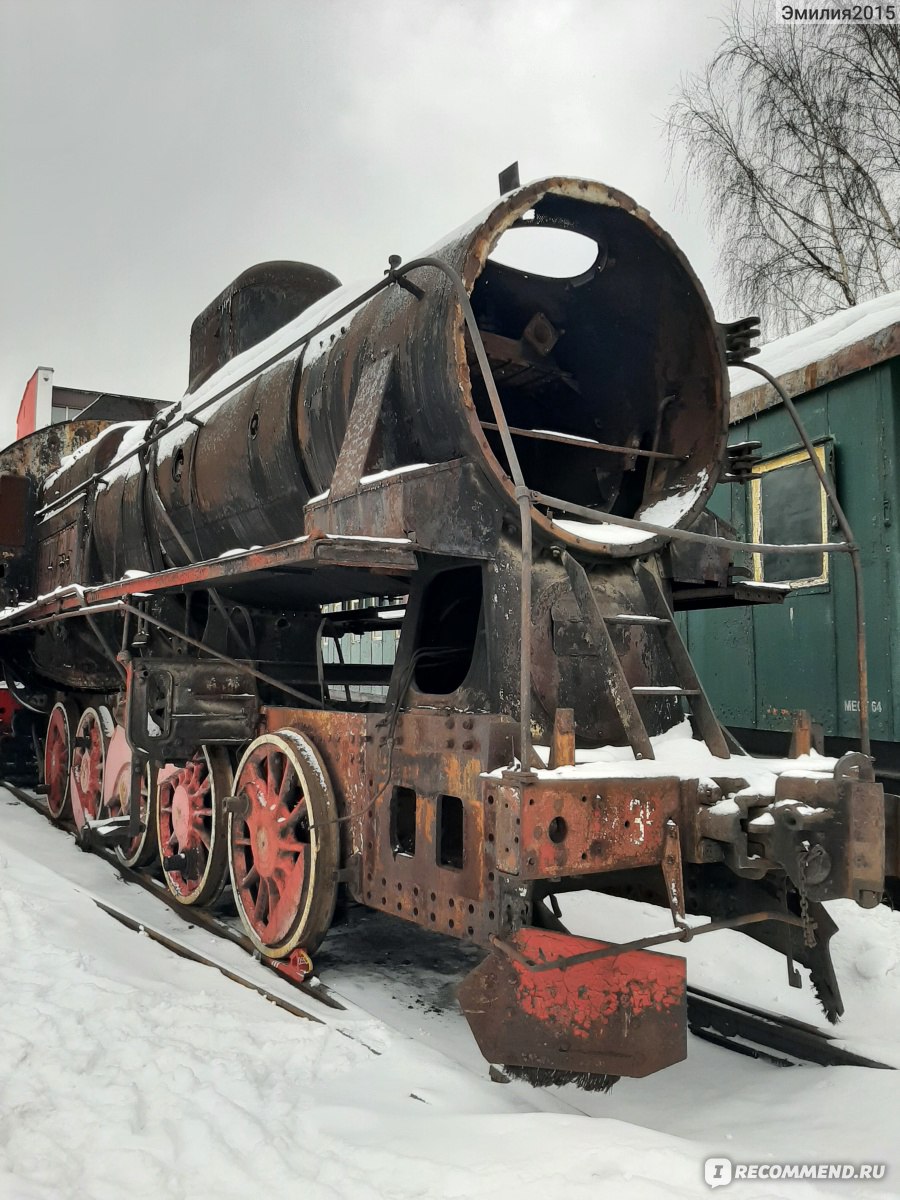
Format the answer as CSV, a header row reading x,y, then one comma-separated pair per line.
x,y
92,737
117,801
283,844
190,822
58,758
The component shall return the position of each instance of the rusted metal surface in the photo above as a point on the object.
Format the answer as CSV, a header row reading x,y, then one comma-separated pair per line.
x,y
892,836
583,443
371,555
562,745
681,933
578,827
261,300
428,847
672,870
23,467
341,739
621,1015
299,407
835,822
170,699
357,444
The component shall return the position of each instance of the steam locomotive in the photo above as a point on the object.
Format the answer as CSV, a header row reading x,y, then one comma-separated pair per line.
x,y
522,463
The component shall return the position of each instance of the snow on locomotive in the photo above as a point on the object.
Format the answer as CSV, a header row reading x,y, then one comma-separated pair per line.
x,y
519,456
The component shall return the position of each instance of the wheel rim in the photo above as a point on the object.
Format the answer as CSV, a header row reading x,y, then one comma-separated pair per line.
x,y
191,826
58,758
283,844
91,740
117,800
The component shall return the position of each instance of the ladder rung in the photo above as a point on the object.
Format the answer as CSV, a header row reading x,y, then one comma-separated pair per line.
x,y
636,619
674,690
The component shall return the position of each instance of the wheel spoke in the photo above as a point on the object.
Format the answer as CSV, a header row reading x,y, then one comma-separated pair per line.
x,y
287,782
293,817
291,849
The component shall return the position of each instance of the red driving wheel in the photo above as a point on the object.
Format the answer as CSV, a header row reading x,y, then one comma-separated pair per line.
x,y
139,850
283,844
61,727
190,821
92,736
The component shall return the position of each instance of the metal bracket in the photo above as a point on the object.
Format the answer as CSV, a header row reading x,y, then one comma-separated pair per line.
x,y
672,872
357,443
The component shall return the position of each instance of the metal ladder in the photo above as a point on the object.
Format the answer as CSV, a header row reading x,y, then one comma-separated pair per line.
x,y
659,616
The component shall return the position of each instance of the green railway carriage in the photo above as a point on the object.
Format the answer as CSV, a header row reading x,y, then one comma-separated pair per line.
x,y
764,663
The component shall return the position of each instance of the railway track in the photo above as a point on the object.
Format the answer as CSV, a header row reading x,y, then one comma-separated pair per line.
x,y
740,1028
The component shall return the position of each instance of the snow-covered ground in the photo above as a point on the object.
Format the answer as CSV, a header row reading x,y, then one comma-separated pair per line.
x,y
126,1071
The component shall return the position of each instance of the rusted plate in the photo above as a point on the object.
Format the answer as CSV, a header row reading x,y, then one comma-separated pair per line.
x,y
577,826
429,841
364,416
378,556
623,1015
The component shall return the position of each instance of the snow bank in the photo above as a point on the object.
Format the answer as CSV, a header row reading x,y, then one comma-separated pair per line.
x,y
128,1071
680,755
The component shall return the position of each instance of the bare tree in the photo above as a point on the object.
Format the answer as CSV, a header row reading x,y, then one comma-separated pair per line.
x,y
794,130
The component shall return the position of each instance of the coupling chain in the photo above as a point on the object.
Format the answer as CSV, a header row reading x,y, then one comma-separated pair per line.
x,y
809,936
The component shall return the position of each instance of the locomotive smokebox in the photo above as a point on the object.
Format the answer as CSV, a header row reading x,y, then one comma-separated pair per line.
x,y
612,379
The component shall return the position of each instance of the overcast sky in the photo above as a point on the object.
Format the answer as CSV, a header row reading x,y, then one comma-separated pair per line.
x,y
150,150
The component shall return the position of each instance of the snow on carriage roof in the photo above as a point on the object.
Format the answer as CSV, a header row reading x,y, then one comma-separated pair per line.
x,y
819,343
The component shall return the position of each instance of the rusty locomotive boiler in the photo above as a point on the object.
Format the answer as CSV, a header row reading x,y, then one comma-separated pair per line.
x,y
524,460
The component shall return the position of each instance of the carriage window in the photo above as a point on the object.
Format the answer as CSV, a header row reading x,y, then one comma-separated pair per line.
x,y
789,506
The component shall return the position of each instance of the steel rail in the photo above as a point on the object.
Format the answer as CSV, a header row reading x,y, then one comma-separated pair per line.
x,y
759,1034
192,955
